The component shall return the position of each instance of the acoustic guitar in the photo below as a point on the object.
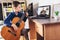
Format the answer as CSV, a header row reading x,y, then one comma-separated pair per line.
x,y
8,33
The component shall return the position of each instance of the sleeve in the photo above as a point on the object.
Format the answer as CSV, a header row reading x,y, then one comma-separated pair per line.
x,y
25,18
7,21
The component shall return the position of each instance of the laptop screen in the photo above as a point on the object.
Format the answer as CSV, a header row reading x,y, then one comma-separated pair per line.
x,y
44,11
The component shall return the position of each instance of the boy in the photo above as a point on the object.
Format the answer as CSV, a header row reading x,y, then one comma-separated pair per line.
x,y
17,9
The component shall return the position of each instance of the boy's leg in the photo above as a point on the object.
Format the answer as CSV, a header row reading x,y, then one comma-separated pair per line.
x,y
25,33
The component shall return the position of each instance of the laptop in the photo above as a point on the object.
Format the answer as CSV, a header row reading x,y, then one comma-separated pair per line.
x,y
43,12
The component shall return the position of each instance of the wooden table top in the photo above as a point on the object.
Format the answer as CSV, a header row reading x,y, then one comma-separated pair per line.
x,y
46,21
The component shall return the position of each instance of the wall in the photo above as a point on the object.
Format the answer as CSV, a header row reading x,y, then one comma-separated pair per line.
x,y
44,2
9,0
48,2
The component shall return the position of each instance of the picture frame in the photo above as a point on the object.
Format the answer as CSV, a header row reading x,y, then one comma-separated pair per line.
x,y
56,7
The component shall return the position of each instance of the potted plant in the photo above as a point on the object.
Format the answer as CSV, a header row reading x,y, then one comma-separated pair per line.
x,y
56,14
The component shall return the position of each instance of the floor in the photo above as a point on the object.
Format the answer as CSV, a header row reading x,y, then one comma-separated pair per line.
x,y
0,32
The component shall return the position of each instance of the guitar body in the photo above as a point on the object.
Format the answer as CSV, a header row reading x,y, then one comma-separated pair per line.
x,y
8,33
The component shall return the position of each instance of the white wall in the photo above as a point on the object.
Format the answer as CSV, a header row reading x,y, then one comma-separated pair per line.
x,y
48,2
43,2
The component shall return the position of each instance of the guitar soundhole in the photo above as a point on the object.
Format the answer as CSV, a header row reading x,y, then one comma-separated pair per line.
x,y
17,24
12,32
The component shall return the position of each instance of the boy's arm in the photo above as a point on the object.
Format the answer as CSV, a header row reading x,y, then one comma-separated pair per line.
x,y
26,16
7,21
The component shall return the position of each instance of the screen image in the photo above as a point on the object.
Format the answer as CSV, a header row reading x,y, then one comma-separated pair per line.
x,y
44,11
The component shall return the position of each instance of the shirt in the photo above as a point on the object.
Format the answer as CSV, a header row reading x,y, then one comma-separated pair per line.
x,y
26,24
9,18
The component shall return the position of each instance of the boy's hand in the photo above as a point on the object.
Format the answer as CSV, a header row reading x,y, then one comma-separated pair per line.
x,y
15,27
26,14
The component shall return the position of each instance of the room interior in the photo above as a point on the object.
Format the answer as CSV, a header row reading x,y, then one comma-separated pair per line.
x,y
40,28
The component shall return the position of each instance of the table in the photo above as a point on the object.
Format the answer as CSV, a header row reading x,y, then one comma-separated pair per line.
x,y
49,28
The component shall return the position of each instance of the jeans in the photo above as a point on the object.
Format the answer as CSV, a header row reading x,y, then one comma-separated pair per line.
x,y
25,33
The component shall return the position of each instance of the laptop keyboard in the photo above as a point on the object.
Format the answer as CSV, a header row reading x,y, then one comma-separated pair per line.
x,y
39,17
